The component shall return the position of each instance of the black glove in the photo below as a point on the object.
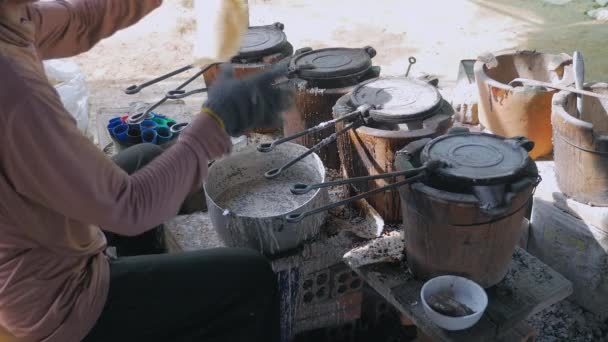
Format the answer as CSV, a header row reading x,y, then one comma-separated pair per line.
x,y
253,102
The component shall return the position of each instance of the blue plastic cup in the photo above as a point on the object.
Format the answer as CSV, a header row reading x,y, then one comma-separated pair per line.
x,y
164,135
120,132
149,136
134,135
148,124
112,124
116,119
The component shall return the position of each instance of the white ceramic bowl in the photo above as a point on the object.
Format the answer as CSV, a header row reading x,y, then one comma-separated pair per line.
x,y
465,291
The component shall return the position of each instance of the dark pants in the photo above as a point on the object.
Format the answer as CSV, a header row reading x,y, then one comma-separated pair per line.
x,y
224,294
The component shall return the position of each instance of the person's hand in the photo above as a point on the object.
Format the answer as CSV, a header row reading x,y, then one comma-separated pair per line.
x,y
253,102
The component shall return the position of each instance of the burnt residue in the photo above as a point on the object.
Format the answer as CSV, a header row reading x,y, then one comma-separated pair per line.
x,y
445,304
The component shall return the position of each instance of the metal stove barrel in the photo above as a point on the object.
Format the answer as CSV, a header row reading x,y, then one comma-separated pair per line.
x,y
333,72
451,223
370,150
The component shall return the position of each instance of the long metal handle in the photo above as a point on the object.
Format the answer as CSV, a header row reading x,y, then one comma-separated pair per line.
x,y
579,78
361,111
138,117
301,189
134,89
411,61
274,173
295,218
558,87
180,94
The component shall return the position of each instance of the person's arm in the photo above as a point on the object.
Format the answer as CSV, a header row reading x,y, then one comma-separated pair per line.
x,y
67,28
48,161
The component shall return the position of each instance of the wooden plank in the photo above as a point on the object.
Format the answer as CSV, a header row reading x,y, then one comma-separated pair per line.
x,y
521,333
529,287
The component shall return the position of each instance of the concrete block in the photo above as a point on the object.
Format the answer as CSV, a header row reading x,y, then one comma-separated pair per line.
x,y
576,250
317,289
548,190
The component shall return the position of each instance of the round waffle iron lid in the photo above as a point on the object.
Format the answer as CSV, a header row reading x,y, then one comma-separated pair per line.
x,y
260,41
333,63
397,100
477,158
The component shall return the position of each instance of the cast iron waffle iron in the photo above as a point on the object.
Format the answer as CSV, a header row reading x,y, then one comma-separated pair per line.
x,y
333,67
490,167
485,165
397,100
263,41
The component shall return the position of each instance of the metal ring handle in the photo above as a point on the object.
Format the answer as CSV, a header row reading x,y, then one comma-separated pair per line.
x,y
432,165
411,61
361,111
180,94
134,89
274,173
296,218
279,25
178,128
370,51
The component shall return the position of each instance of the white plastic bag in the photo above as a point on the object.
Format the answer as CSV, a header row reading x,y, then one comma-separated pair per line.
x,y
66,77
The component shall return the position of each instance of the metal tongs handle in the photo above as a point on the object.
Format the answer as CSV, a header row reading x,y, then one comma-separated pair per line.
x,y
180,94
526,81
274,173
139,117
361,111
134,89
295,218
301,189
421,174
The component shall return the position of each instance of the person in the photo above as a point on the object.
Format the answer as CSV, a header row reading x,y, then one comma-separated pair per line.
x,y
57,188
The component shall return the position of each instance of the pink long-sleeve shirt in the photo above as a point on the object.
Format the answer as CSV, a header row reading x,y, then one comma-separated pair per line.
x,y
57,188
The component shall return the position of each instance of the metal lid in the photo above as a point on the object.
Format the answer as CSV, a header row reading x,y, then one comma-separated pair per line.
x,y
477,158
397,100
262,41
333,63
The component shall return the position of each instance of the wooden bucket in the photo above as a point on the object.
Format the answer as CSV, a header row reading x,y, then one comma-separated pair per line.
x,y
581,146
312,107
448,233
369,151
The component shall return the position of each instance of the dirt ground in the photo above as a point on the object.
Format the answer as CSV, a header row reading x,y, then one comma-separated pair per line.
x,y
439,33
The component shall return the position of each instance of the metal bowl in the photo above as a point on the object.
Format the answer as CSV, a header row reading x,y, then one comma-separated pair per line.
x,y
248,210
